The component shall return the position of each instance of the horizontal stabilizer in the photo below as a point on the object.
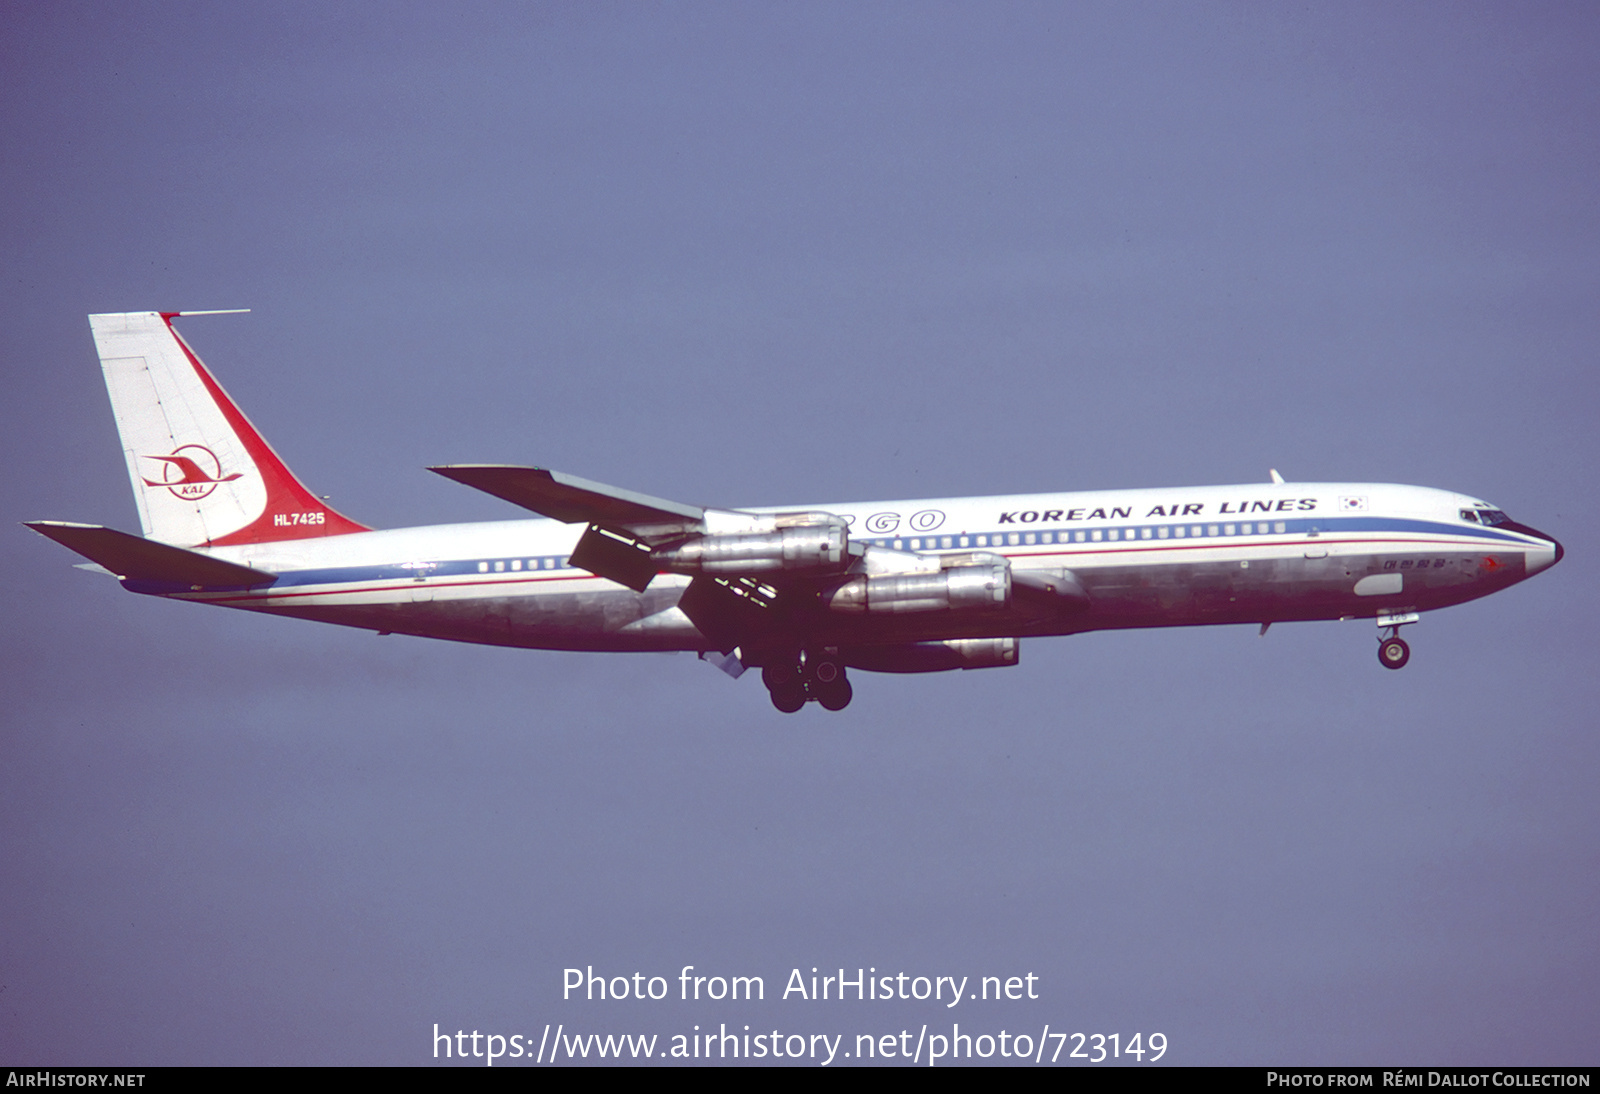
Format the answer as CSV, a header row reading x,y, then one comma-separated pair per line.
x,y
570,499
132,558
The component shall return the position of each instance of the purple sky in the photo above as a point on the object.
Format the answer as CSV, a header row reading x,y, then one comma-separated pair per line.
x,y
759,254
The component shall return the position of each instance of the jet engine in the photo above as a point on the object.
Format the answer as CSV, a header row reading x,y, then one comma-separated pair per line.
x,y
961,653
817,547
983,586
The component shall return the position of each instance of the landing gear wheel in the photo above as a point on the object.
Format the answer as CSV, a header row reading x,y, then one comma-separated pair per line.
x,y
785,683
789,697
1393,653
834,696
825,681
822,671
776,676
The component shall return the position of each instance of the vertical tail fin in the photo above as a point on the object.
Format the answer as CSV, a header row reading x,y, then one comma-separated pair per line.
x,y
202,475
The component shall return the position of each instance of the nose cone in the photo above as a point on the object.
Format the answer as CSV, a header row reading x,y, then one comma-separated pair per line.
x,y
1539,556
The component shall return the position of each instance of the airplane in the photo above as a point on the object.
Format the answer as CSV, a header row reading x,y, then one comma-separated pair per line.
x,y
803,593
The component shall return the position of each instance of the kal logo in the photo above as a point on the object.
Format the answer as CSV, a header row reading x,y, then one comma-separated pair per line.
x,y
191,472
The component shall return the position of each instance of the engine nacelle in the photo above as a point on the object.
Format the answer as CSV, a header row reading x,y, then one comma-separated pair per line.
x,y
818,548
984,586
961,653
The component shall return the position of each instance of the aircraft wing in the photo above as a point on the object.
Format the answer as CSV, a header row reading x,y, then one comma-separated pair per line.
x,y
137,559
623,525
570,499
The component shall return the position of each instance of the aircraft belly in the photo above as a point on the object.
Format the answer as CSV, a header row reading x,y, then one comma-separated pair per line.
x,y
1284,588
604,619
612,618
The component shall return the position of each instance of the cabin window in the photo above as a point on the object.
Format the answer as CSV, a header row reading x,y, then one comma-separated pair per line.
x,y
1280,527
483,567
965,541
1144,533
1163,532
1212,530
1095,535
946,542
1077,537
1029,538
516,564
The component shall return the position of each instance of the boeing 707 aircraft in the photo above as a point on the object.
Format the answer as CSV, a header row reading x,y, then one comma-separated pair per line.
x,y
802,593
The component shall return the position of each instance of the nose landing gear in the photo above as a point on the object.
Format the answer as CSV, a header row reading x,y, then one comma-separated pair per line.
x,y
1393,653
813,675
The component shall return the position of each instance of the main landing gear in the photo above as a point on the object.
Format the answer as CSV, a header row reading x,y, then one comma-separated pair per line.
x,y
1393,653
813,675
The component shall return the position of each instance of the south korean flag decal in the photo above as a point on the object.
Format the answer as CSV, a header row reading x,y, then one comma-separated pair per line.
x,y
1351,504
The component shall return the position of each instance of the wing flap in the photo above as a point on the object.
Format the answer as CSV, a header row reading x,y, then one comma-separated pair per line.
x,y
132,558
620,558
570,499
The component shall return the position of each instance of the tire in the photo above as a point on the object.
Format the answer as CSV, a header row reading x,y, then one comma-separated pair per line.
x,y
789,698
778,676
823,671
835,696
1393,653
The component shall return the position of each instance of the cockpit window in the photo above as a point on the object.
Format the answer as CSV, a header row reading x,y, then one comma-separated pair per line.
x,y
1469,515
1492,516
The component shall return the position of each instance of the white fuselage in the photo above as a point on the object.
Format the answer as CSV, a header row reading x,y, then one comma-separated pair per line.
x,y
1166,557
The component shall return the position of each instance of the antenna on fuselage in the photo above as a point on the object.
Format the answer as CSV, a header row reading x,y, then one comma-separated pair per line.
x,y
1277,478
